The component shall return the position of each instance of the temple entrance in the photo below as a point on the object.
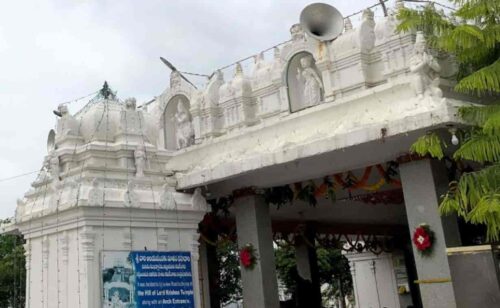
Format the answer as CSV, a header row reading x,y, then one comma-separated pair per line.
x,y
341,240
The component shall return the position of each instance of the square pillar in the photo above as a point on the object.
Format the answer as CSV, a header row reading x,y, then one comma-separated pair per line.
x,y
253,224
423,183
308,286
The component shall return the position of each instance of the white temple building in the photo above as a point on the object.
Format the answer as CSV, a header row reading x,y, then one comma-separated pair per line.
x,y
118,177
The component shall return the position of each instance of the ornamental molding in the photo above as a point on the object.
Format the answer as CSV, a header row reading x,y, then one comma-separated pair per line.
x,y
45,251
162,239
87,242
64,247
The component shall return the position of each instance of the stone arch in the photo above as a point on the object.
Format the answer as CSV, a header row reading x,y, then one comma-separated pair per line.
x,y
295,87
169,121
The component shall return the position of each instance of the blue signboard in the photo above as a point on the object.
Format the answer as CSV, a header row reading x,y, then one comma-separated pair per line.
x,y
148,279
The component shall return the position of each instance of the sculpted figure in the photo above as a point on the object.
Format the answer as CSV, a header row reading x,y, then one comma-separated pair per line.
x,y
184,131
54,168
44,173
175,80
311,80
425,69
66,124
297,33
140,162
198,201
167,200
130,103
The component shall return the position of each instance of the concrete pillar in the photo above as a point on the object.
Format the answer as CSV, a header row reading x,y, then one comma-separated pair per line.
x,y
424,181
308,291
204,281
253,223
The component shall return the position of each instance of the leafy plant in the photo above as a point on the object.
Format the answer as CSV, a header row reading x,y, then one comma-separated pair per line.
x,y
429,143
12,271
474,42
332,265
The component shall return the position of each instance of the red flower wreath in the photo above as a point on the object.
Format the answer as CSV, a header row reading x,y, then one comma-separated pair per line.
x,y
247,256
423,238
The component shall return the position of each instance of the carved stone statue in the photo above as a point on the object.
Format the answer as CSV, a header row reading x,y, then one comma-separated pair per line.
x,y
425,69
131,120
140,162
54,168
184,132
297,33
167,200
175,80
66,124
367,31
130,103
44,173
198,201
311,80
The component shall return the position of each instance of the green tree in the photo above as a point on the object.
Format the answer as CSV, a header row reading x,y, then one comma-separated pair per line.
x,y
471,34
229,286
12,271
333,270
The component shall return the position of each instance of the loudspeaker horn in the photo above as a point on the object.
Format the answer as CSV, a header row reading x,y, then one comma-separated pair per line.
x,y
322,21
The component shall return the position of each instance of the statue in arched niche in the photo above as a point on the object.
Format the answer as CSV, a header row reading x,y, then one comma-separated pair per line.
x,y
311,80
184,132
425,69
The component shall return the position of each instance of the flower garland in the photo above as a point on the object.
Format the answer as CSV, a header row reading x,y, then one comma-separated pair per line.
x,y
423,238
248,257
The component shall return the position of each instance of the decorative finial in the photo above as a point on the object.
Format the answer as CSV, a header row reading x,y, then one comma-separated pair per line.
x,y
367,14
276,52
239,69
348,24
106,92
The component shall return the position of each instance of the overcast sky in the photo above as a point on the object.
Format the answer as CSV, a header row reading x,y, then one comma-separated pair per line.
x,y
52,51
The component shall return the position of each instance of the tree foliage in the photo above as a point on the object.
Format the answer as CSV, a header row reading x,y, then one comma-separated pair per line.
x,y
471,34
12,271
229,286
332,265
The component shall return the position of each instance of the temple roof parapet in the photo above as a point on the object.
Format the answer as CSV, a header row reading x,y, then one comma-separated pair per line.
x,y
300,93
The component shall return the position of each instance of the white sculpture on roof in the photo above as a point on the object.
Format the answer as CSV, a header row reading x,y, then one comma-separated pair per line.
x,y
312,82
175,80
140,162
167,200
184,132
297,33
54,168
66,124
425,69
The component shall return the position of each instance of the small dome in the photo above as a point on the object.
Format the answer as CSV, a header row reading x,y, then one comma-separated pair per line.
x,y
100,120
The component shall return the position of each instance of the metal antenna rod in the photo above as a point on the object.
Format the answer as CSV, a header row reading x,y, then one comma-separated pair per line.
x,y
173,68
